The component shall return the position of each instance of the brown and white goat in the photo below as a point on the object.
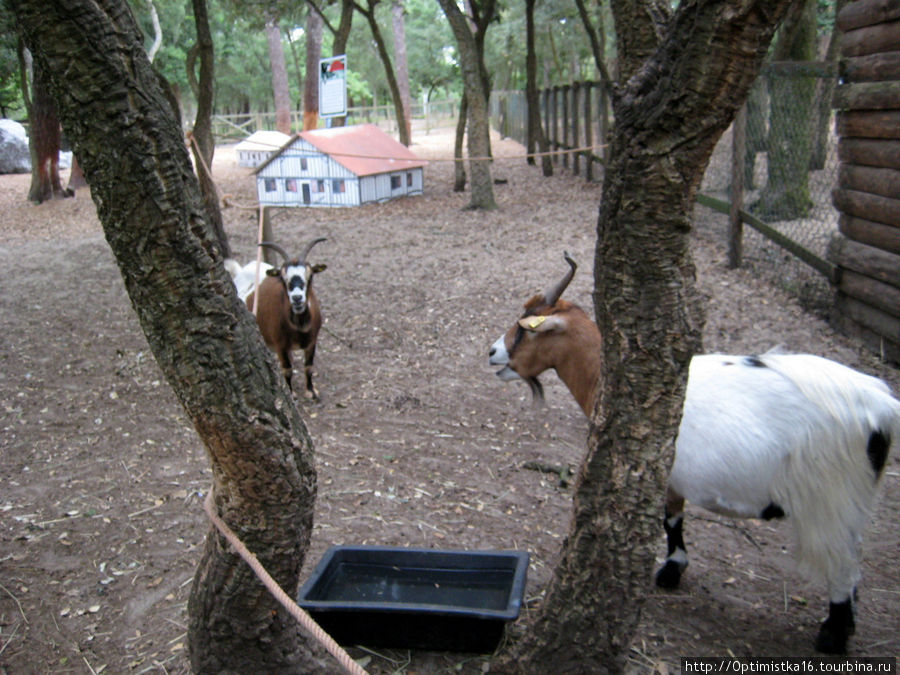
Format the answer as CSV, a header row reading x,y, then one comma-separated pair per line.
x,y
288,315
774,436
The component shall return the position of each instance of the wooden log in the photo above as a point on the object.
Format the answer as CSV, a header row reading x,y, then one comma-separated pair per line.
x,y
866,152
868,123
881,37
885,348
879,295
867,96
875,180
874,67
868,260
866,205
879,235
884,325
866,13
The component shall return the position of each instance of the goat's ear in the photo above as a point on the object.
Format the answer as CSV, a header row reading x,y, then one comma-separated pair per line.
x,y
321,267
542,324
273,272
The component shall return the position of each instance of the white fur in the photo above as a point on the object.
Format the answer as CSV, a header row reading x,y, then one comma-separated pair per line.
x,y
244,277
793,433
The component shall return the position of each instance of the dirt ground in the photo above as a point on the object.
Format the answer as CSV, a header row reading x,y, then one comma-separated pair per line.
x,y
418,443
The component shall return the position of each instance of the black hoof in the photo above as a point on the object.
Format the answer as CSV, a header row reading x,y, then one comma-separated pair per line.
x,y
669,575
836,629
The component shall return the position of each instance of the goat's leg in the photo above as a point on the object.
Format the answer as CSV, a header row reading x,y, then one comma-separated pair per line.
x,y
287,368
676,557
309,355
837,628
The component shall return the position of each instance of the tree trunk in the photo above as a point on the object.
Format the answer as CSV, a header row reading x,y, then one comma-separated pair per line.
x,y
459,173
823,99
339,44
399,29
313,54
786,193
204,146
482,187
44,141
402,125
279,77
669,116
536,137
204,339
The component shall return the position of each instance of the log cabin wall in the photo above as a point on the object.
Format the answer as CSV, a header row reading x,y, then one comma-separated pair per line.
x,y
867,248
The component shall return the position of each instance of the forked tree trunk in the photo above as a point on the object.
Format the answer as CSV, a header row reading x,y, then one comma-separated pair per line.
x,y
479,144
311,85
204,339
205,146
536,137
280,90
669,116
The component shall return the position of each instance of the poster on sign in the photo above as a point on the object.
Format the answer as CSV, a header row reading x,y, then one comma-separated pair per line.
x,y
333,87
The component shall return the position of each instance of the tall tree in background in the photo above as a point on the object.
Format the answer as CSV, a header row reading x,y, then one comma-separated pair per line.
x,y
340,34
279,77
203,143
536,137
398,26
403,127
311,85
206,342
683,75
785,195
471,51
44,138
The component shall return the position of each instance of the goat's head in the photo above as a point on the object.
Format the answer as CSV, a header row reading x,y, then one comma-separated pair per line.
x,y
534,343
296,274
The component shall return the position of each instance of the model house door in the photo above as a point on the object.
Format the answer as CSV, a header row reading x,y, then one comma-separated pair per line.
x,y
306,197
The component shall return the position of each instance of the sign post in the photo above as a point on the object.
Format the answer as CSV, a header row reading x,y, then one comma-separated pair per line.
x,y
333,87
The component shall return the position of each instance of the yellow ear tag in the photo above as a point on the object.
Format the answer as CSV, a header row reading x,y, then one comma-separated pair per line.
x,y
536,321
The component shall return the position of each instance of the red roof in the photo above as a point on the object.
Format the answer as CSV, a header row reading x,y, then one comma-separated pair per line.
x,y
363,149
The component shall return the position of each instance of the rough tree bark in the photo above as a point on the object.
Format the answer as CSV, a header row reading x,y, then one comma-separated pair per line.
x,y
479,146
669,114
279,77
205,341
204,146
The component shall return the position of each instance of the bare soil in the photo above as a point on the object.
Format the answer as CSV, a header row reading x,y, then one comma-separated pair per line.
x,y
418,443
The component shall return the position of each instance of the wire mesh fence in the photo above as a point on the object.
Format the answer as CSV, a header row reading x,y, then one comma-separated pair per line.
x,y
788,167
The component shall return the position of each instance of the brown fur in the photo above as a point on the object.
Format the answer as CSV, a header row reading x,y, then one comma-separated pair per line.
x,y
281,331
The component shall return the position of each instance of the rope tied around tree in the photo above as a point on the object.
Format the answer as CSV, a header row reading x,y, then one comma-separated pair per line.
x,y
302,617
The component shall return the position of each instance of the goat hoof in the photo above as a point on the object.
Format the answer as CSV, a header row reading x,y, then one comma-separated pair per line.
x,y
833,636
830,641
669,575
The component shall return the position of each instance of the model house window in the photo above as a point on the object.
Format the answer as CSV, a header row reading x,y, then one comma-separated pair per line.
x,y
270,184
304,164
290,184
395,182
320,186
409,180
337,186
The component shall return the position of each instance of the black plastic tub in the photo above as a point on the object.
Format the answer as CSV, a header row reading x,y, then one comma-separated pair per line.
x,y
416,598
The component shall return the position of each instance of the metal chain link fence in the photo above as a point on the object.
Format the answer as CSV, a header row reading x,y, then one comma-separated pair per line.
x,y
789,169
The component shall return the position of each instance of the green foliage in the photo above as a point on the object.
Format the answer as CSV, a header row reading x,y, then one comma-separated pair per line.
x,y
11,103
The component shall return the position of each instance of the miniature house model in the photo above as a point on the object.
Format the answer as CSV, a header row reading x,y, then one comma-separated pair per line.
x,y
259,146
341,166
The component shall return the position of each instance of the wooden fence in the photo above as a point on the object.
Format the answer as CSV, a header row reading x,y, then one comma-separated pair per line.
x,y
867,250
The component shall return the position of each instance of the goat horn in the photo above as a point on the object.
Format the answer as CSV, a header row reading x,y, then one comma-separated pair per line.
x,y
309,248
552,294
275,247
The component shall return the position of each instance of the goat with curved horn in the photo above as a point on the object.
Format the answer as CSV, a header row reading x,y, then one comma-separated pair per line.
x,y
552,294
275,247
309,247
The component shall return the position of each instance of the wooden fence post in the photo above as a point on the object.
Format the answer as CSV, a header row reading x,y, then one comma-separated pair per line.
x,y
735,225
588,134
576,119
